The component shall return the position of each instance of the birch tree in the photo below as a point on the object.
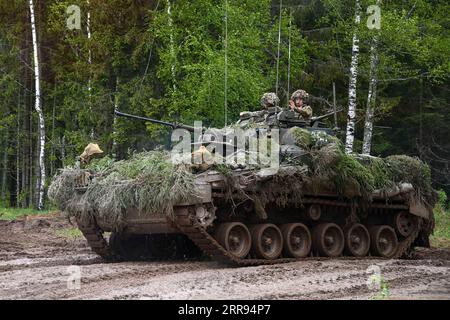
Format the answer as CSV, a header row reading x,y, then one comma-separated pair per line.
x,y
372,94
172,43
116,108
351,117
88,29
41,122
371,98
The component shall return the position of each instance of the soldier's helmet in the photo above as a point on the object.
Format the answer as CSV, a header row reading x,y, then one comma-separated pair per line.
x,y
300,94
91,150
269,100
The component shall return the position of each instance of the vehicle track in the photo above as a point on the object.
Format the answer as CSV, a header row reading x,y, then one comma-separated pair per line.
x,y
34,262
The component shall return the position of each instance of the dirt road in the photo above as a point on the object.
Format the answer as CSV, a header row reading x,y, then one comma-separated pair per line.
x,y
41,259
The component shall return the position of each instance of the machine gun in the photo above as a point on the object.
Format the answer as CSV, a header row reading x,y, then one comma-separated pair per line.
x,y
289,119
164,123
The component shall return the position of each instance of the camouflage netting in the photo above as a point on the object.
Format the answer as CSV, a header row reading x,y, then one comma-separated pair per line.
x,y
325,166
148,181
151,183
362,174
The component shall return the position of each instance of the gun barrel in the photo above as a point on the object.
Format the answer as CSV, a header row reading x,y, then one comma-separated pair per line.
x,y
164,123
315,119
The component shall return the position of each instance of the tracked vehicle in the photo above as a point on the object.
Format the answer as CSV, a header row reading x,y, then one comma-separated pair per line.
x,y
254,223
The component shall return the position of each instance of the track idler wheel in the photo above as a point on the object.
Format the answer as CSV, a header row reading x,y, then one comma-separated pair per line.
x,y
328,240
384,241
405,223
357,240
297,240
235,238
267,241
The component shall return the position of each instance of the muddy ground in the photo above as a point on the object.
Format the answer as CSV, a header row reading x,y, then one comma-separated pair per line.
x,y
38,255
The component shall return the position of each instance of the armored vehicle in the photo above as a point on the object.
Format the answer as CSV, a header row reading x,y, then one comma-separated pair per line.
x,y
246,216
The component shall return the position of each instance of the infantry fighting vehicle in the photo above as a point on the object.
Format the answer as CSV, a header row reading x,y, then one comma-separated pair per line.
x,y
254,223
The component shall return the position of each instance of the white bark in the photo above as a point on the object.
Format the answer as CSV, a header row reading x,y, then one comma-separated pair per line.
x,y
351,117
371,99
371,96
172,44
88,27
39,111
116,108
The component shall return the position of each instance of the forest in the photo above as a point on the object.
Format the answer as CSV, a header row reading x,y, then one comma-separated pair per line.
x,y
66,66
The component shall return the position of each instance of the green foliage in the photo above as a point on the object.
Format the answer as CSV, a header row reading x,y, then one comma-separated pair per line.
x,y
15,213
441,233
384,292
132,61
358,175
414,171
199,62
69,233
148,182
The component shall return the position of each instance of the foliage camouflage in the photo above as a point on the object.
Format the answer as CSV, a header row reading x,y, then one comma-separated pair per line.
x,y
131,63
148,182
151,183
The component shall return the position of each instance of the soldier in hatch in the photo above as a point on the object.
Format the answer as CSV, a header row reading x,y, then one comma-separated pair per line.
x,y
297,104
270,100
269,109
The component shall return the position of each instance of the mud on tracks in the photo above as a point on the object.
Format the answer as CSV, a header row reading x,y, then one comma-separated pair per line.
x,y
35,256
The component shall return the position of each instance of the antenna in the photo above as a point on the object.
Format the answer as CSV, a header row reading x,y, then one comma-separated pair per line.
x,y
279,43
289,59
226,65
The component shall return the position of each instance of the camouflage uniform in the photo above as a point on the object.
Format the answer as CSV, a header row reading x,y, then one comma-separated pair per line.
x,y
269,100
268,114
305,111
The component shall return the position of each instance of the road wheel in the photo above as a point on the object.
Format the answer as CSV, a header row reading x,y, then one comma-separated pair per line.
x,y
235,238
357,240
328,240
296,239
384,241
267,241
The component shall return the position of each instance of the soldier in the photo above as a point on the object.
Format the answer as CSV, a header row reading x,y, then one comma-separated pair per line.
x,y
269,100
91,151
267,114
297,104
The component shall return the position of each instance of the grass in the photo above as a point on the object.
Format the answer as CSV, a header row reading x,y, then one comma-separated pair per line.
x,y
14,213
441,236
70,233
383,293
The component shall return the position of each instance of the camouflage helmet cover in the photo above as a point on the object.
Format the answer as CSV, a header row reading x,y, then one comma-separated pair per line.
x,y
300,94
270,99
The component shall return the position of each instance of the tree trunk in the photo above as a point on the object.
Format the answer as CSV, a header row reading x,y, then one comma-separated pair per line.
x,y
371,98
4,169
172,44
116,108
52,152
88,27
351,117
62,144
41,121
18,146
